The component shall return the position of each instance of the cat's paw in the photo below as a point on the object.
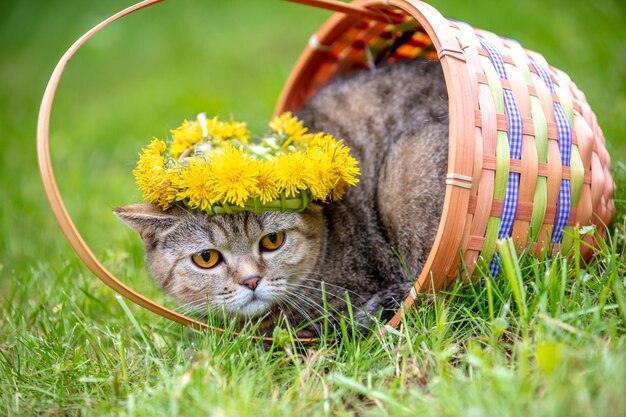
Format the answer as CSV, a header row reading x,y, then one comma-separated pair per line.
x,y
381,307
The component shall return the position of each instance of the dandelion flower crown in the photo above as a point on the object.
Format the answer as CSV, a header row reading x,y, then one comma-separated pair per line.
x,y
212,165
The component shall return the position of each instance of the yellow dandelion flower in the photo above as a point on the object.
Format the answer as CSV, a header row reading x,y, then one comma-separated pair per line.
x,y
318,139
343,171
170,187
235,177
307,139
220,173
221,131
292,173
267,181
288,125
323,176
185,136
215,128
198,180
178,147
151,176
237,130
346,168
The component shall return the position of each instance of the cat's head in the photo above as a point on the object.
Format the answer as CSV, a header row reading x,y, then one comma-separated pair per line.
x,y
242,263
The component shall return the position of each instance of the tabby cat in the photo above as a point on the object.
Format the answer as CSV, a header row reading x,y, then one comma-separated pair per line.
x,y
395,120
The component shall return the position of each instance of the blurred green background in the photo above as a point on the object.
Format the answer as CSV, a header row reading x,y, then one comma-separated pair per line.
x,y
147,72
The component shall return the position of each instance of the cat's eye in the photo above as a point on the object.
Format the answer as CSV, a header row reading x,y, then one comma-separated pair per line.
x,y
272,241
207,258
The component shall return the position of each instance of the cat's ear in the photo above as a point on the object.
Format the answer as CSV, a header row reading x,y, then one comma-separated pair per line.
x,y
148,220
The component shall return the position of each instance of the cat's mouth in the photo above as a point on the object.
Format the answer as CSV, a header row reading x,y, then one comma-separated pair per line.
x,y
254,307
254,304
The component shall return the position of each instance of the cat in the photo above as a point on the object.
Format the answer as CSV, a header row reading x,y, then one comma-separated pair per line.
x,y
395,120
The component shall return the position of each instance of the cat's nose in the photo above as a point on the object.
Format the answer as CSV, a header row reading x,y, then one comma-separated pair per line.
x,y
250,281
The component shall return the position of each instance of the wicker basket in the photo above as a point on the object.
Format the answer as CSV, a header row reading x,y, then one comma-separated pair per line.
x,y
527,158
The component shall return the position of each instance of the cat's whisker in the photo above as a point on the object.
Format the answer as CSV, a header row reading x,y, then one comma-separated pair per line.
x,y
186,309
201,307
292,305
324,313
303,313
307,302
328,284
199,310
299,297
324,293
332,317
315,323
190,307
293,284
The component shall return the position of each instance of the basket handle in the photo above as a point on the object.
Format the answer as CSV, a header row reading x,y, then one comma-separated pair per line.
x,y
54,197
348,8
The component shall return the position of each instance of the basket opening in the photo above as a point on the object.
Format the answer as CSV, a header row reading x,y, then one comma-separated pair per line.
x,y
346,44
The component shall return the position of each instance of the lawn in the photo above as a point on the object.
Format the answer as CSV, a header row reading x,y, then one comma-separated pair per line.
x,y
548,339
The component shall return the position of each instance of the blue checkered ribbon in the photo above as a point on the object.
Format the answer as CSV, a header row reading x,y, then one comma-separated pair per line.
x,y
564,132
514,123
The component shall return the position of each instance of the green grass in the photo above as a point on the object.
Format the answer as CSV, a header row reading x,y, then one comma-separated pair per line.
x,y
546,339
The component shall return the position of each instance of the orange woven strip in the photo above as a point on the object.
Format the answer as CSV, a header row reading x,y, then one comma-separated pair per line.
x,y
508,60
482,79
489,162
524,210
528,127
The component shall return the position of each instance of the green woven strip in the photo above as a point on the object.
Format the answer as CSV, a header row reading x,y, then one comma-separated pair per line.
x,y
495,86
538,213
502,160
503,164
577,175
540,125
521,62
566,104
539,119
491,235
540,198
577,168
